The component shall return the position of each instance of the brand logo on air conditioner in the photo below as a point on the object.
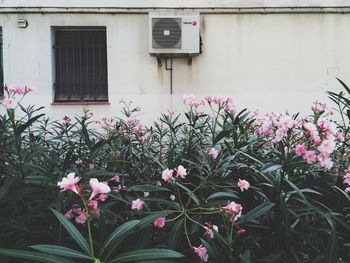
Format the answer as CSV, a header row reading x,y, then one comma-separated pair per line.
x,y
193,23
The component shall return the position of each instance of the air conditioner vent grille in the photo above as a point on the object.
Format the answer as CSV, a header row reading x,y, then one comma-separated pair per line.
x,y
166,32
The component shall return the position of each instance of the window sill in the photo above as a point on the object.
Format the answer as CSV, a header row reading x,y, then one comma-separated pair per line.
x,y
80,103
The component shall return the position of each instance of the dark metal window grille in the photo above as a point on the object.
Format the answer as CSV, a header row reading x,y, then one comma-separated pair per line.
x,y
81,64
1,67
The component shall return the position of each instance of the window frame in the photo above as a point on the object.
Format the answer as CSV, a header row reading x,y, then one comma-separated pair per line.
x,y
98,94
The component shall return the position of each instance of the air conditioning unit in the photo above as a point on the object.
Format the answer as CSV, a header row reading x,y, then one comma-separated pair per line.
x,y
174,34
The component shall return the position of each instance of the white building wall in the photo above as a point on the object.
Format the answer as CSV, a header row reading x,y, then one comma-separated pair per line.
x,y
268,61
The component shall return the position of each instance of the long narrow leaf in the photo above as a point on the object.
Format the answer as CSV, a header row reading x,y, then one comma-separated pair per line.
x,y
37,256
257,212
60,251
146,254
117,236
73,231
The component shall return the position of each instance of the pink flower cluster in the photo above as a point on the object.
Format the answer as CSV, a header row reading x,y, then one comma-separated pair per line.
x,y
321,108
137,204
79,215
168,174
98,190
190,100
209,230
321,140
159,222
20,89
233,210
202,253
314,138
9,102
212,152
243,184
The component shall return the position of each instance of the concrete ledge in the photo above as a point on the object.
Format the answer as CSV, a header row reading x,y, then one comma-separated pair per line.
x,y
228,10
64,103
175,3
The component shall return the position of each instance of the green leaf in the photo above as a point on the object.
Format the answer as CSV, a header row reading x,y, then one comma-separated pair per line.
x,y
330,254
175,233
4,190
344,85
245,257
271,167
257,212
222,194
35,256
146,254
73,231
21,128
221,135
118,235
60,251
148,188
189,193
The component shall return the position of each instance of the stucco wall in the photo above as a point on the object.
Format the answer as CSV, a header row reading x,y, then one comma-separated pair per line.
x,y
272,62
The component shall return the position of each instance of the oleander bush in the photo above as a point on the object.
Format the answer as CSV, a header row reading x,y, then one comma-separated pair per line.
x,y
213,184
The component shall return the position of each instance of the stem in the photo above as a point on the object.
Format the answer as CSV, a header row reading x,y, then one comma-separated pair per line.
x,y
90,238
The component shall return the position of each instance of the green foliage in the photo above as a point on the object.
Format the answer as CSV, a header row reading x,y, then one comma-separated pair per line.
x,y
294,211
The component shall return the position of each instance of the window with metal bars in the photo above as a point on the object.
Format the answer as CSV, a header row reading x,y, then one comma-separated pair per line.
x,y
1,67
80,64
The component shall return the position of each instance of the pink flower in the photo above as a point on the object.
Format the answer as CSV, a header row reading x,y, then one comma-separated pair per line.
x,y
189,100
167,175
230,106
201,252
81,219
20,90
69,183
9,103
279,135
241,231
116,179
325,161
145,194
347,178
158,183
310,157
98,187
144,138
159,222
243,184
137,204
327,146
93,204
300,149
102,197
233,210
212,152
347,190
327,126
340,137
66,120
285,122
30,88
181,172
172,197
209,231
69,214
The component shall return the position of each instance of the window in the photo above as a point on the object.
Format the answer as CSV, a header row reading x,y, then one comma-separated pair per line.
x,y
80,64
1,67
